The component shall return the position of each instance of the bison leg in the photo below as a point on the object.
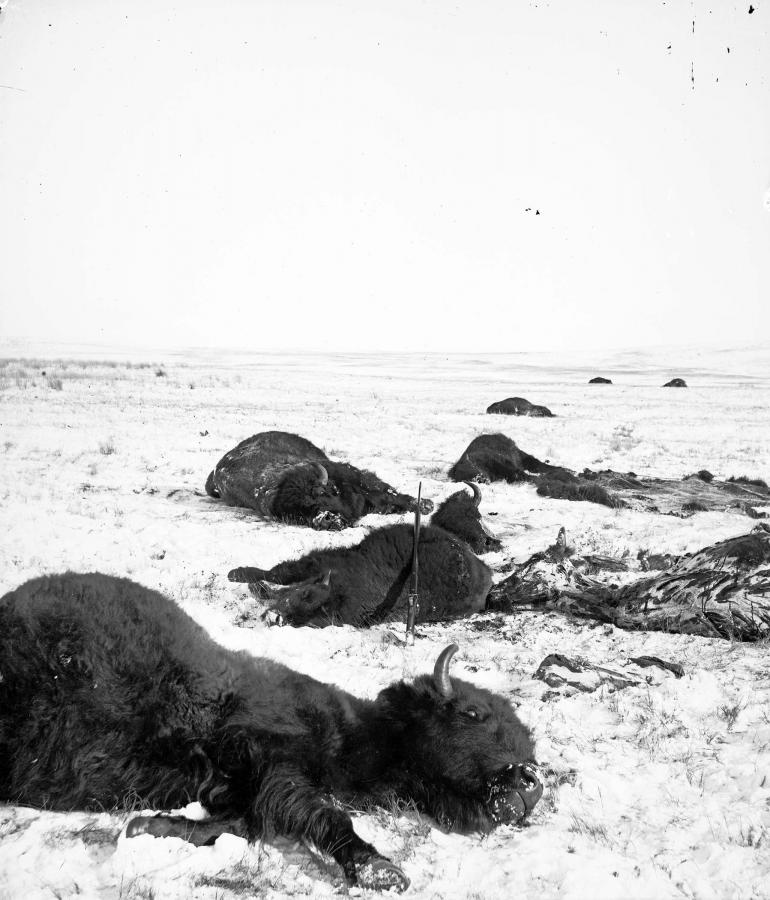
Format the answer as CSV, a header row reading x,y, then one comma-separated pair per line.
x,y
198,833
291,805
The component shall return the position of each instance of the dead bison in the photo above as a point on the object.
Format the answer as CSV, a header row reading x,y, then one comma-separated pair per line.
x,y
110,692
460,515
495,457
518,406
598,379
368,583
676,382
284,476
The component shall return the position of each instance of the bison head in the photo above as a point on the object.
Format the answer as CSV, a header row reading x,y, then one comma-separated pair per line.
x,y
305,494
466,747
294,603
459,514
335,495
360,492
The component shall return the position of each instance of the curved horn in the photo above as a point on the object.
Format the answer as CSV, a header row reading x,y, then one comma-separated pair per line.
x,y
265,589
476,492
321,472
441,671
327,578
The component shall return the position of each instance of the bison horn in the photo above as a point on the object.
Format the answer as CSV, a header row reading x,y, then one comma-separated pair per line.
x,y
441,671
321,472
268,588
476,493
327,578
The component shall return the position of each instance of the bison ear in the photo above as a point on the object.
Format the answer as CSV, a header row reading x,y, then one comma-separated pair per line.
x,y
441,672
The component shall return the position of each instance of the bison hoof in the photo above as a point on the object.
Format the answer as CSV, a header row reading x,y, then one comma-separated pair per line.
x,y
156,826
270,617
380,874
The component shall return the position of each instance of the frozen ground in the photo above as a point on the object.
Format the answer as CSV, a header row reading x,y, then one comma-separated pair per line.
x,y
661,791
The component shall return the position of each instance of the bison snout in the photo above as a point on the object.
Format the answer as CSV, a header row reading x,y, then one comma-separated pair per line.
x,y
513,793
531,787
328,521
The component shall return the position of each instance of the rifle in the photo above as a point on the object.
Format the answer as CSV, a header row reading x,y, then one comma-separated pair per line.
x,y
413,601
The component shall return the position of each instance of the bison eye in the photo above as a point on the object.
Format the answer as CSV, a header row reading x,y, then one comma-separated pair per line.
x,y
472,713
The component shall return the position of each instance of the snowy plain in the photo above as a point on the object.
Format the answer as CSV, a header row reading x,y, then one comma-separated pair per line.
x,y
656,791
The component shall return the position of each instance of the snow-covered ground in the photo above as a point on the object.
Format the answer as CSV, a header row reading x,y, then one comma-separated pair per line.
x,y
661,791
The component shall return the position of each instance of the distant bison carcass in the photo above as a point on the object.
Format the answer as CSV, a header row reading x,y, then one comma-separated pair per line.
x,y
599,379
495,457
460,515
676,382
110,692
367,583
284,476
518,406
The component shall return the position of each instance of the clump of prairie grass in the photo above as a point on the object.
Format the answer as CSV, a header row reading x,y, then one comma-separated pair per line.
x,y
750,836
434,472
54,383
107,447
12,824
94,834
655,724
135,889
623,438
750,482
594,830
246,877
729,713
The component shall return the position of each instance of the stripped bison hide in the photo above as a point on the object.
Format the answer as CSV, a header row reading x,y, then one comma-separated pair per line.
x,y
368,583
109,693
682,497
284,476
720,591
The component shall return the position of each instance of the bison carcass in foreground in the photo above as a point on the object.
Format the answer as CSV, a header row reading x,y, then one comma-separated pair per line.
x,y
110,692
284,476
460,514
368,583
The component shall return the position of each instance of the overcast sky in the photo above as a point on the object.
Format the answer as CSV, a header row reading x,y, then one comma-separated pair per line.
x,y
368,175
